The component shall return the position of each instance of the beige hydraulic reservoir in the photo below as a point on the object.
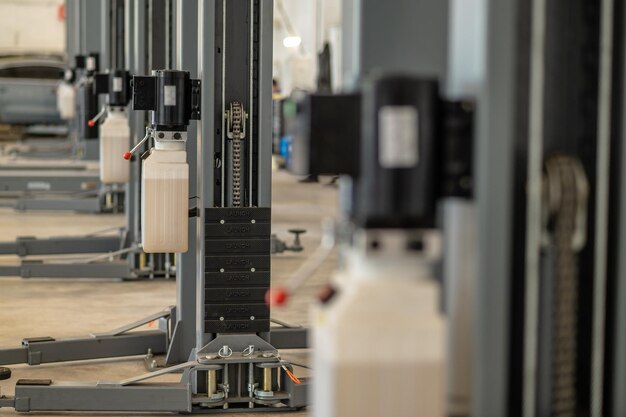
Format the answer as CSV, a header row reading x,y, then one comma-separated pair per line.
x,y
66,100
172,98
379,343
165,198
114,142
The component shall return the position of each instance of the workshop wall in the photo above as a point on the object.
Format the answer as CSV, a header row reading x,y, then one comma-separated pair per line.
x,y
315,22
31,26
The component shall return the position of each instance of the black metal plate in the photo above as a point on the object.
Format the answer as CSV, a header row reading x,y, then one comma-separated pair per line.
x,y
236,295
227,279
236,326
237,311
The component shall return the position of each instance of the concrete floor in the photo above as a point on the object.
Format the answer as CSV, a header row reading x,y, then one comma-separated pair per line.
x,y
63,308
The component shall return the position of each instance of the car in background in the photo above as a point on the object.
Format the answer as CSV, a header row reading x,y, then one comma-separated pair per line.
x,y
28,85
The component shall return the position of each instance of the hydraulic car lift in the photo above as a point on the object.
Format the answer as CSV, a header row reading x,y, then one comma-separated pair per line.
x,y
34,184
233,362
116,255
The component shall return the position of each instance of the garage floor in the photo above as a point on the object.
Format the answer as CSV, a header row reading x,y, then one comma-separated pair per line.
x,y
62,308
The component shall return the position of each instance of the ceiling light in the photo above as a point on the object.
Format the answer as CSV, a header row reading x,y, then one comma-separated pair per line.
x,y
292,41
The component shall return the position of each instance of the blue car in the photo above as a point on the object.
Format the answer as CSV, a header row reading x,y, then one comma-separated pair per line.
x,y
28,87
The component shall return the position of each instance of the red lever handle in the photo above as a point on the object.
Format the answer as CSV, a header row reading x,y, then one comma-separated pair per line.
x,y
276,297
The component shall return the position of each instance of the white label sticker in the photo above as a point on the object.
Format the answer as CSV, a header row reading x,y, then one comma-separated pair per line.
x,y
398,137
38,186
91,63
117,84
169,95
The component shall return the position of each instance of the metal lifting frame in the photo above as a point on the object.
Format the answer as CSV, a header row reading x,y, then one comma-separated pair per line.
x,y
118,255
70,186
522,368
236,349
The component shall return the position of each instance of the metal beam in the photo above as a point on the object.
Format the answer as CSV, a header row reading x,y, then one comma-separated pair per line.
x,y
90,26
49,182
186,47
13,356
38,269
35,351
289,338
25,246
81,205
495,141
50,396
128,344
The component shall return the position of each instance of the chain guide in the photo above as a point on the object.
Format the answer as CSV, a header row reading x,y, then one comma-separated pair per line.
x,y
236,133
565,196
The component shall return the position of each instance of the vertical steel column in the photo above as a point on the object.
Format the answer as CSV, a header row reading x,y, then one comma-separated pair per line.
x,y
106,24
495,140
605,127
618,406
91,26
420,27
264,174
72,46
117,35
465,72
240,69
78,26
205,148
186,47
157,38
138,61
130,188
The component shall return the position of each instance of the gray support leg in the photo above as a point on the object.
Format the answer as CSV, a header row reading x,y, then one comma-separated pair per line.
x,y
48,350
81,205
289,338
26,246
13,356
13,182
298,393
119,342
135,395
51,396
36,351
38,269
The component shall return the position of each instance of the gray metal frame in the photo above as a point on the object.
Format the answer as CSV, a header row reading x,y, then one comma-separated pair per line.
x,y
183,337
618,408
85,19
93,23
132,395
49,181
80,205
27,246
495,139
39,188
498,145
126,341
120,257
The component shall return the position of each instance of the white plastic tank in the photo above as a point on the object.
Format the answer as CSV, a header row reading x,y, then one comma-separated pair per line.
x,y
114,141
379,344
165,199
66,100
